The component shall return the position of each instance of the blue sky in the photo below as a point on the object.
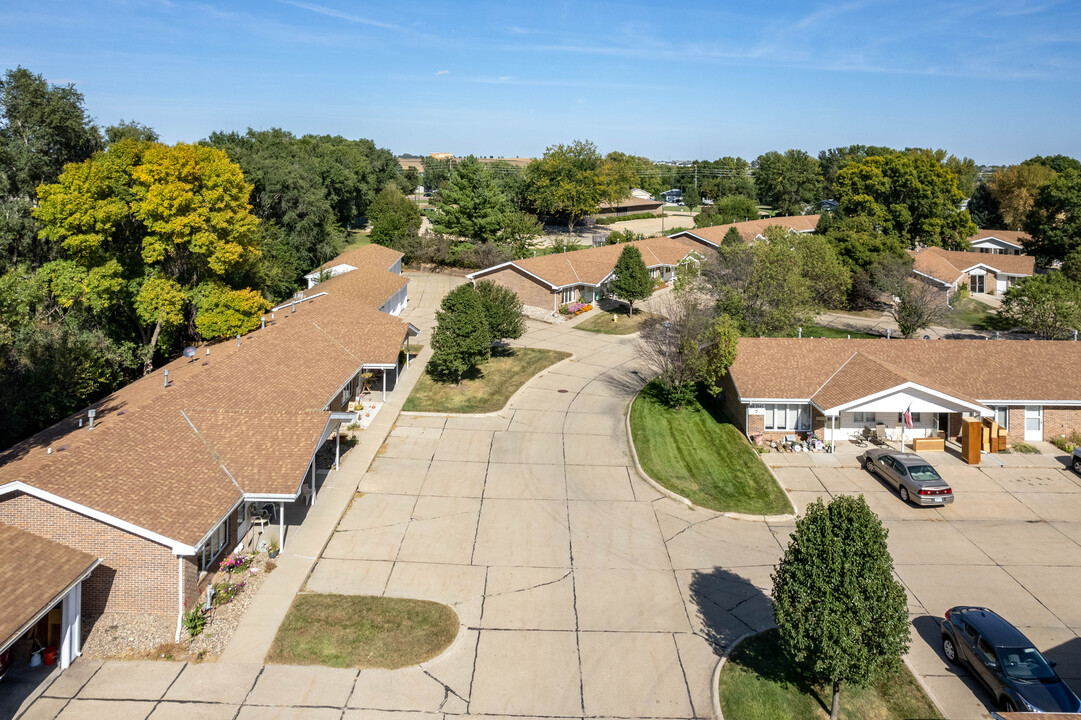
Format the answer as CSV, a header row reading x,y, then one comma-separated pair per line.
x,y
997,80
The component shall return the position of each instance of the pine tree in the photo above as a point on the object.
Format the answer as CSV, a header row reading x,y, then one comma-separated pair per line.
x,y
471,204
631,282
461,340
840,612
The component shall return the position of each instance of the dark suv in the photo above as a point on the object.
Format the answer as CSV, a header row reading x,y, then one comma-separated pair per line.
x,y
1004,660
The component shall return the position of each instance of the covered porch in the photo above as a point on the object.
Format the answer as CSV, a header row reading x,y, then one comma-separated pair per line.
x,y
897,416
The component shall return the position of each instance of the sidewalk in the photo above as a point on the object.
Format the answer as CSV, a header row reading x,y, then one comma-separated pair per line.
x,y
255,634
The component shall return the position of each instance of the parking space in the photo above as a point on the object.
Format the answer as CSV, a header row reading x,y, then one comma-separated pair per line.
x,y
1010,541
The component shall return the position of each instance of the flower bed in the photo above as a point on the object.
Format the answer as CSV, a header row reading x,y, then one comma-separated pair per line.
x,y
575,308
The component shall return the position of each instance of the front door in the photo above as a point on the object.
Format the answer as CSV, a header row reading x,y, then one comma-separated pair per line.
x,y
975,283
1033,423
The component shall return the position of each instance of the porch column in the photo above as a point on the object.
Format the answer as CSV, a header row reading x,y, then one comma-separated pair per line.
x,y
384,384
66,623
313,482
395,376
833,431
179,596
281,525
77,626
407,352
337,448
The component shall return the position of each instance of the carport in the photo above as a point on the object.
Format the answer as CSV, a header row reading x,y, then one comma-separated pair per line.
x,y
38,576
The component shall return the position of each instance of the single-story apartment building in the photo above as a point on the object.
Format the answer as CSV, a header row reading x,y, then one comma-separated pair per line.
x,y
981,272
750,230
158,479
998,242
630,205
548,281
836,387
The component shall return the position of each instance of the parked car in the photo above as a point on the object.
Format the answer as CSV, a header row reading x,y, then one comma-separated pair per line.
x,y
1004,660
916,481
1076,460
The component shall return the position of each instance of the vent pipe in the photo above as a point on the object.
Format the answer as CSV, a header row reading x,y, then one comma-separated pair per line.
x,y
262,323
238,341
80,422
91,414
208,351
294,305
165,377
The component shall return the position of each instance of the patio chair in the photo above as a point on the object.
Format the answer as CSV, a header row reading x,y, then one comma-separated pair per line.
x,y
880,432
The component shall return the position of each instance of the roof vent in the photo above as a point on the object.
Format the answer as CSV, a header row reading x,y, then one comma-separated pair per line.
x,y
238,341
91,414
63,447
49,451
122,412
294,305
165,376
262,323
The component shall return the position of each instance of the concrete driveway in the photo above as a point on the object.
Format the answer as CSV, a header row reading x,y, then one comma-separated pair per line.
x,y
1011,541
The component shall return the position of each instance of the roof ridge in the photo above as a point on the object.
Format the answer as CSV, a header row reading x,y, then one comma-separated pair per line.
x,y
842,367
213,453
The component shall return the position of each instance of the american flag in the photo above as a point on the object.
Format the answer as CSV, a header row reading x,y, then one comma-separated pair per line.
x,y
908,417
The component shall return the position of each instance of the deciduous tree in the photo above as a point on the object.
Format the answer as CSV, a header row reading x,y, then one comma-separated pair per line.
x,y
1015,189
1054,222
840,612
568,181
788,182
729,209
631,282
461,340
393,217
1048,305
502,310
984,209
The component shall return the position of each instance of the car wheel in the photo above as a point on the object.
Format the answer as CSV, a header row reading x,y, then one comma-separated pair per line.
x,y
1009,705
904,493
948,649
868,464
1077,465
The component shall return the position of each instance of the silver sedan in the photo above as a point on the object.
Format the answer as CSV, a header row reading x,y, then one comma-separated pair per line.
x,y
916,481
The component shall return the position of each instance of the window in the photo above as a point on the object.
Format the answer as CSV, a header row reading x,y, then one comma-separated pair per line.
x,y
214,545
1002,416
1033,418
986,651
901,418
568,295
792,416
242,514
859,417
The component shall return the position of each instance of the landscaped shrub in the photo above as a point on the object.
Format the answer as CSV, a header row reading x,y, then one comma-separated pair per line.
x,y
194,621
236,563
1066,443
225,591
624,218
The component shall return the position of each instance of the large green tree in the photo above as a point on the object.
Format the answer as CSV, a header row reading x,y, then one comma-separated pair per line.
x,y
569,181
1048,305
393,216
462,339
985,210
631,281
1015,189
1054,221
910,196
470,203
502,310
840,612
42,128
143,227
788,182
728,209
726,176
833,160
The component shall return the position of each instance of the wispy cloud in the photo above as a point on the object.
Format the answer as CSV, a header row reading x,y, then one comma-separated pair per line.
x,y
348,17
442,72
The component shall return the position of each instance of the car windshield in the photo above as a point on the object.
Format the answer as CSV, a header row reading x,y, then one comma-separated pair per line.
x,y
923,473
1021,663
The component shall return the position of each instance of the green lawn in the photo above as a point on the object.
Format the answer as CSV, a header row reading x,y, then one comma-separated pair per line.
x,y
971,314
356,631
698,453
616,322
488,390
821,331
356,239
760,682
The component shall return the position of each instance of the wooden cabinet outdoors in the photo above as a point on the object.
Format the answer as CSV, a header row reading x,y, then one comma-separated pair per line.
x,y
971,440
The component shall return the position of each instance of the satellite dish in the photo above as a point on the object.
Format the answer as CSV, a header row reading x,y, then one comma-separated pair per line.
x,y
189,352
926,337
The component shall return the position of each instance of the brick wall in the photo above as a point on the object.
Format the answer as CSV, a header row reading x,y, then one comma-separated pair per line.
x,y
1015,430
530,292
136,575
736,411
1058,421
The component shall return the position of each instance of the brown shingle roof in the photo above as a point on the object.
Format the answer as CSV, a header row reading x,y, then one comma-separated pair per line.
x,y
1014,237
33,573
948,265
1041,371
751,229
592,265
371,256
630,203
165,458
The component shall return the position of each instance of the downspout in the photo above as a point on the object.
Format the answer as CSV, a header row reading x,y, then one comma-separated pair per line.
x,y
179,596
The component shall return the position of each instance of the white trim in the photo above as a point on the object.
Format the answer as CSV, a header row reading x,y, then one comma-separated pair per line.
x,y
1031,402
774,400
177,547
837,409
510,263
275,497
937,280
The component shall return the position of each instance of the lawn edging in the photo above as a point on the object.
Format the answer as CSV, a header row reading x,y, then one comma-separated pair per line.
x,y
679,498
715,684
512,398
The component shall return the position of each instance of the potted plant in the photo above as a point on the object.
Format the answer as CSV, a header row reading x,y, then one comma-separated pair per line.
x,y
273,549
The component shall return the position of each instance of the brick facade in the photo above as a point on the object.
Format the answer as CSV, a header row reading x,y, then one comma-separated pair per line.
x,y
530,291
136,574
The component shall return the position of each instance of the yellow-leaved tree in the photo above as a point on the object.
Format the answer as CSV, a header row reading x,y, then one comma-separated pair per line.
x,y
154,233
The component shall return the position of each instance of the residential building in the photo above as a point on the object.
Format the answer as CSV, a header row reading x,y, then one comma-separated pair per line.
x,y
980,272
548,281
751,230
837,387
158,479
630,206
998,242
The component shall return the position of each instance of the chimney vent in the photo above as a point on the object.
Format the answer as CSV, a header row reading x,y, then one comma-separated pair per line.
x,y
49,451
262,323
91,414
238,341
208,351
294,305
165,375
